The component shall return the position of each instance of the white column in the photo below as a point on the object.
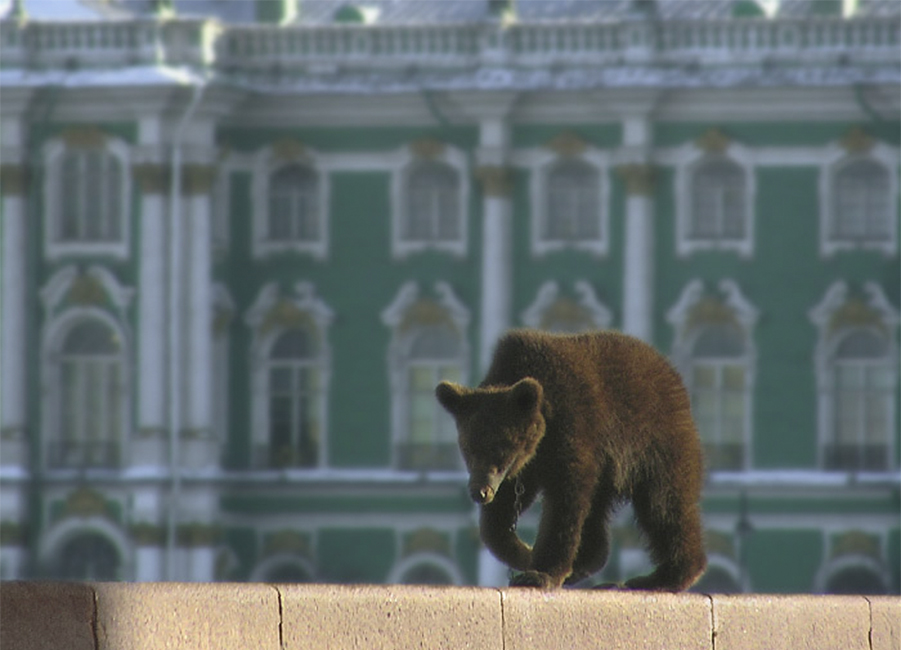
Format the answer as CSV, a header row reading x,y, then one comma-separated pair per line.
x,y
149,563
13,309
201,564
150,444
638,274
497,234
198,447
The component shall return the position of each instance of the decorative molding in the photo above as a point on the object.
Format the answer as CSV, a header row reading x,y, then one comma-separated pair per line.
x,y
194,535
85,502
147,534
287,541
549,306
496,181
84,137
96,286
639,178
856,542
289,150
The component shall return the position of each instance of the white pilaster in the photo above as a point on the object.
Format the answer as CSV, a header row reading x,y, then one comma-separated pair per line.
x,y
638,276
149,563
149,447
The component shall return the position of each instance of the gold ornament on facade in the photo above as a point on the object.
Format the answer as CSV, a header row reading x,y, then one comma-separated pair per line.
x,y
495,180
13,180
87,137
855,313
198,534
12,533
287,541
567,145
152,178
719,543
566,310
198,179
286,315
711,311
426,540
639,179
85,502
428,148
146,534
87,290
857,141
425,312
856,542
289,150
713,141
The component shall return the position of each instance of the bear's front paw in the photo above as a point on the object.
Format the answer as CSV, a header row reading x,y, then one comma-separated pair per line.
x,y
533,579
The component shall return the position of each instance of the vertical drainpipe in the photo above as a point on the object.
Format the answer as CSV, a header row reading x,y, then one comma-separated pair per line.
x,y
175,259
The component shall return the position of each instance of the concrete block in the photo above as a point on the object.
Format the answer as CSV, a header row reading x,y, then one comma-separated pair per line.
x,y
397,616
886,616
187,616
569,619
46,616
798,622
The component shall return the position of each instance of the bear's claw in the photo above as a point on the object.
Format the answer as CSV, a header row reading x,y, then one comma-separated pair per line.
x,y
533,579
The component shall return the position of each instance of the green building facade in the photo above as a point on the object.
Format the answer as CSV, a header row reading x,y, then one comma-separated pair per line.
x,y
241,248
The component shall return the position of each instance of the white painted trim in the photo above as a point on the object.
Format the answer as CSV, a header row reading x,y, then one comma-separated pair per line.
x,y
833,158
282,559
264,164
52,157
831,567
62,532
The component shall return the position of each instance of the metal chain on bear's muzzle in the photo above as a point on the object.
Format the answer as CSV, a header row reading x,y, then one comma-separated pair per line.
x,y
518,489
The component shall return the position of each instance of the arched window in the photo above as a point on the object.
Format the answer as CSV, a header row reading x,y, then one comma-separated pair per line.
x,y
89,390
293,202
428,346
431,441
718,190
719,395
863,402
862,209
285,572
432,211
294,400
573,202
426,573
88,556
553,312
89,197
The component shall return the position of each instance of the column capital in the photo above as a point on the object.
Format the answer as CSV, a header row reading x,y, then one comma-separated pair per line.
x,y
639,178
152,178
13,179
495,180
198,179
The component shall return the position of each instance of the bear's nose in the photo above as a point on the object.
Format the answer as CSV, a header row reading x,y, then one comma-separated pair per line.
x,y
483,495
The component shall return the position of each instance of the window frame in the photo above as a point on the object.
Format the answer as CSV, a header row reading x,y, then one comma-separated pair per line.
x,y
54,155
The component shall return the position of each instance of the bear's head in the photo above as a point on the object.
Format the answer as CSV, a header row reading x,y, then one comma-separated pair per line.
x,y
499,430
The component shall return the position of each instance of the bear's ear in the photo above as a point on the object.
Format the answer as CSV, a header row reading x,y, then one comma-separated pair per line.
x,y
451,396
526,395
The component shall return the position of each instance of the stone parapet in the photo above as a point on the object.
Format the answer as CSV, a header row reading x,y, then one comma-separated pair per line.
x,y
126,616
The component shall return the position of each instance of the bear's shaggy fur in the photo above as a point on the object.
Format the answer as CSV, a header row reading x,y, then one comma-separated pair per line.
x,y
590,420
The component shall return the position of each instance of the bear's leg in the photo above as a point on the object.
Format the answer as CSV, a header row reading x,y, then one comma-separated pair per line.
x,y
559,538
594,549
672,522
497,526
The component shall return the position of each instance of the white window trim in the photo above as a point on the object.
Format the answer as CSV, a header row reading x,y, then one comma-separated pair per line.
x,y
402,161
267,162
262,569
61,533
835,158
305,300
828,341
539,162
687,159
548,294
54,250
398,353
687,333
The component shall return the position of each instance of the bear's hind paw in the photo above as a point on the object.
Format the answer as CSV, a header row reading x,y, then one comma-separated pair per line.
x,y
534,579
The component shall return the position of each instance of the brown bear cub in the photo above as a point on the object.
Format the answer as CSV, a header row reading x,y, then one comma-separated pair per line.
x,y
591,420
